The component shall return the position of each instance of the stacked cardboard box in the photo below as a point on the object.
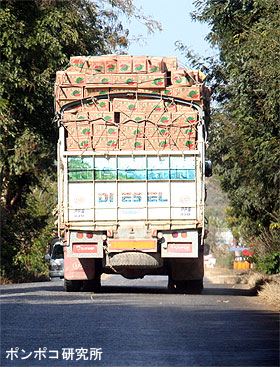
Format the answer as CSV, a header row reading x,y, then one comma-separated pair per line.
x,y
133,122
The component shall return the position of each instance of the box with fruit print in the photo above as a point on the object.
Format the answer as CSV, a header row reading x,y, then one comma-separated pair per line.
x,y
151,106
78,63
140,64
160,118
111,64
102,105
101,80
184,118
125,80
105,143
79,116
170,63
184,78
155,65
61,103
183,144
125,64
79,130
70,78
69,93
126,106
105,129
96,64
156,131
93,92
187,93
101,116
170,106
158,144
78,143
132,144
132,130
188,132
153,80
132,117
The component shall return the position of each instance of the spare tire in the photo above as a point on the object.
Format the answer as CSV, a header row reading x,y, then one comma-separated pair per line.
x,y
134,259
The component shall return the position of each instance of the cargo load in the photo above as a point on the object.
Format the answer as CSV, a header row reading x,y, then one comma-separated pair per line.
x,y
133,132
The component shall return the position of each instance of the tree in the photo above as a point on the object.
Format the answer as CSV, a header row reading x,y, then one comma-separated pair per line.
x,y
37,39
244,136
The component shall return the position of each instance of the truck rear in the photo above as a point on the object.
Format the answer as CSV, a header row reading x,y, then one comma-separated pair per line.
x,y
131,170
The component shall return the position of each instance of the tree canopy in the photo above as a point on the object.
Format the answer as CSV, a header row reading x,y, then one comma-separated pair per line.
x,y
244,136
37,39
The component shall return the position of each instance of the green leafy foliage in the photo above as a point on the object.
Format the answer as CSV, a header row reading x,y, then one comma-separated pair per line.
x,y
244,134
37,39
270,264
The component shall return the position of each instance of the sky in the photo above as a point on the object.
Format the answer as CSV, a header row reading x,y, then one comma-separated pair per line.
x,y
174,15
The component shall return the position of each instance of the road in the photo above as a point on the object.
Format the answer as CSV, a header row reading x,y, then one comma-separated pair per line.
x,y
135,323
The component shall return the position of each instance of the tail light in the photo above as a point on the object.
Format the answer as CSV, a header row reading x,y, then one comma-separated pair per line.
x,y
175,234
80,235
89,235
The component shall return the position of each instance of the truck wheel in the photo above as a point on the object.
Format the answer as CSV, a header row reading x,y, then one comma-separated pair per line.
x,y
92,285
185,286
72,285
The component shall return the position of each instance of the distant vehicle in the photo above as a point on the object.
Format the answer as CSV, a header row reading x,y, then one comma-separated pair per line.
x,y
56,261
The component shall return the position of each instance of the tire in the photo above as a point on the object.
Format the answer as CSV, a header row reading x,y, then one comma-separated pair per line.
x,y
134,260
185,286
92,285
72,285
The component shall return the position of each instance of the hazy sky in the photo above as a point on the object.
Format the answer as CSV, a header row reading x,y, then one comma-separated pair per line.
x,y
174,15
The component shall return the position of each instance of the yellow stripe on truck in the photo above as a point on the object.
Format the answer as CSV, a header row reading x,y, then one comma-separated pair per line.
x,y
128,244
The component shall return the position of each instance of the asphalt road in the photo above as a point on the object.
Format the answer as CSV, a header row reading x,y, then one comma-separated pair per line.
x,y
135,323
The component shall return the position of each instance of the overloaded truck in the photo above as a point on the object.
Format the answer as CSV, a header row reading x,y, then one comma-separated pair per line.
x,y
131,170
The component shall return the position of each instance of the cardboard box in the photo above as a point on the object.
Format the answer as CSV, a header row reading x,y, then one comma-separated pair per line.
x,y
78,143
125,80
70,93
188,132
70,78
187,93
78,116
97,105
111,64
155,65
153,80
184,118
96,64
124,64
132,144
132,117
101,80
132,130
127,106
140,64
160,118
170,106
78,63
183,144
181,78
105,130
79,130
60,103
171,63
151,106
101,116
92,92
157,144
104,143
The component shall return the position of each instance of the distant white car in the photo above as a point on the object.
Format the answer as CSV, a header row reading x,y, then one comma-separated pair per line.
x,y
56,261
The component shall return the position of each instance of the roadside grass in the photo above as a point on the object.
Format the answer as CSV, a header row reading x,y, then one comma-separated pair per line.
x,y
266,287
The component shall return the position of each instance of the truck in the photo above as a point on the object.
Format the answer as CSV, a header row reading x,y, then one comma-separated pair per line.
x,y
131,170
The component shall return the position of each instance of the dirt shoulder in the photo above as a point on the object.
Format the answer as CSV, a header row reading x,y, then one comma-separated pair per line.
x,y
266,287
